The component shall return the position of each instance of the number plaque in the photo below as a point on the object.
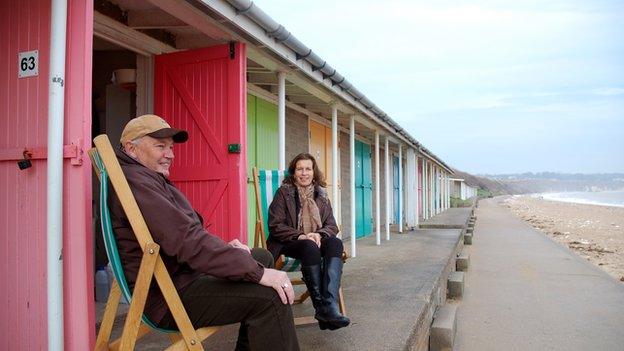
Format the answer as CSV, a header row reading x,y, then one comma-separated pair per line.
x,y
28,64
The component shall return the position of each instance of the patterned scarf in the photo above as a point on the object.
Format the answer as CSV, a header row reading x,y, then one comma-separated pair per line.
x,y
309,217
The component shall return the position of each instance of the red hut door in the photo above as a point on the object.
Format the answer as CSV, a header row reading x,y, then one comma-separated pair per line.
x,y
204,92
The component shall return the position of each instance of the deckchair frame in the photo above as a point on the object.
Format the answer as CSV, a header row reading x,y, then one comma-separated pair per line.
x,y
260,236
152,266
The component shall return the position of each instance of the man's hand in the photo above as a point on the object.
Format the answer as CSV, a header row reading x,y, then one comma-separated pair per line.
x,y
237,244
316,237
279,281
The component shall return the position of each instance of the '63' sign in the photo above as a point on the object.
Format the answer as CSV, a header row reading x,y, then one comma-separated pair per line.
x,y
28,64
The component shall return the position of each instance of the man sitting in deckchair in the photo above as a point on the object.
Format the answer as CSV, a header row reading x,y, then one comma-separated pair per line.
x,y
219,283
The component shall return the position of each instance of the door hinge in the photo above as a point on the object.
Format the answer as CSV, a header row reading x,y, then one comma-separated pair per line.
x,y
74,152
232,50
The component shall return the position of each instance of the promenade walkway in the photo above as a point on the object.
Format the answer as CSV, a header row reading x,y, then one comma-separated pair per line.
x,y
526,292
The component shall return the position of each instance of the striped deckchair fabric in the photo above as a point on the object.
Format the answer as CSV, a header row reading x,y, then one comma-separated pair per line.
x,y
268,181
110,243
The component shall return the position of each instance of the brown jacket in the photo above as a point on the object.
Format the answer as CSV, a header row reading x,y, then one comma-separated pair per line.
x,y
283,213
186,248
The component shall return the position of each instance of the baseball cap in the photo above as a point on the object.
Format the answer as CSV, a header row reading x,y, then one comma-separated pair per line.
x,y
153,126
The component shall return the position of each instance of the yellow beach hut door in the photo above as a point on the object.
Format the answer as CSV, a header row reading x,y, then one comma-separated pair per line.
x,y
320,148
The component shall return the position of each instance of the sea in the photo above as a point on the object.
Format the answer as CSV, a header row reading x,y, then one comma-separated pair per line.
x,y
604,198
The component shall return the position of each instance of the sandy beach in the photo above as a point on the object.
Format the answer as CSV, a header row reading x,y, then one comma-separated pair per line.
x,y
594,232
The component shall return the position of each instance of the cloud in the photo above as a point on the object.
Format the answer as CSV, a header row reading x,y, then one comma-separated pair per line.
x,y
608,91
498,79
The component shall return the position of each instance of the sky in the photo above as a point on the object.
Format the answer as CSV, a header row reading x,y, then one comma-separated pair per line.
x,y
490,87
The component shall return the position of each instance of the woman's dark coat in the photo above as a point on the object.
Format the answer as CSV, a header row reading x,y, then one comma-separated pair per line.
x,y
283,213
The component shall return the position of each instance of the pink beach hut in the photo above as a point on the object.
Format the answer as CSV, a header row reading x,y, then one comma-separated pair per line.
x,y
46,207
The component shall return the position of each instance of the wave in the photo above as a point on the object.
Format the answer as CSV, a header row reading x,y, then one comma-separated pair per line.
x,y
602,198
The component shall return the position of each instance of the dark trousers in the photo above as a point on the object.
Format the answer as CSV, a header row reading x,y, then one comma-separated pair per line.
x,y
309,253
266,323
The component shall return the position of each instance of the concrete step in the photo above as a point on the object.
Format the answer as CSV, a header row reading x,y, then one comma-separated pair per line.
x,y
468,239
452,218
462,262
455,285
443,328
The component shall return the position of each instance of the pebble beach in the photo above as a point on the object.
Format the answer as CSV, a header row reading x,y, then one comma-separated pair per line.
x,y
594,232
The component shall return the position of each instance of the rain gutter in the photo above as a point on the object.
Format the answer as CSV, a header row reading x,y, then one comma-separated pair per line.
x,y
283,36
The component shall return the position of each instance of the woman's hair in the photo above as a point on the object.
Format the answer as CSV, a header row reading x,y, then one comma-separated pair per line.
x,y
318,178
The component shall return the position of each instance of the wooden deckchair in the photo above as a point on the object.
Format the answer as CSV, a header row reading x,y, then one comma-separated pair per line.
x,y
266,183
107,167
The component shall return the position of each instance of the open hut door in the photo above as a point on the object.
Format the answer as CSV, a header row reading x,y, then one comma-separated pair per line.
x,y
204,92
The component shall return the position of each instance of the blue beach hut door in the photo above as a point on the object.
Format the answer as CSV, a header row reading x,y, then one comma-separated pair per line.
x,y
363,190
395,188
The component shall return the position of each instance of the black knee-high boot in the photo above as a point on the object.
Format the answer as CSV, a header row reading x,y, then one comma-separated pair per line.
x,y
312,279
332,273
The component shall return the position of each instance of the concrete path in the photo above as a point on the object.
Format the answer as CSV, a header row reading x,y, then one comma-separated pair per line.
x,y
526,292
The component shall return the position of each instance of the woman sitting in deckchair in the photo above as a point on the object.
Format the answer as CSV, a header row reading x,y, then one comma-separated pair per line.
x,y
302,226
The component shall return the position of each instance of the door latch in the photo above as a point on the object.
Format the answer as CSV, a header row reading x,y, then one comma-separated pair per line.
x,y
25,162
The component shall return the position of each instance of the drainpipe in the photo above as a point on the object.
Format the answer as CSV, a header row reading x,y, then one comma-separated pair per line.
x,y
438,190
400,189
388,190
377,199
56,109
444,178
432,191
335,169
352,181
443,187
425,197
281,118
416,202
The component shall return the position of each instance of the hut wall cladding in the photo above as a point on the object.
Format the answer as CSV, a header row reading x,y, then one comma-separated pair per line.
x,y
23,101
382,184
345,181
297,134
24,114
78,270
